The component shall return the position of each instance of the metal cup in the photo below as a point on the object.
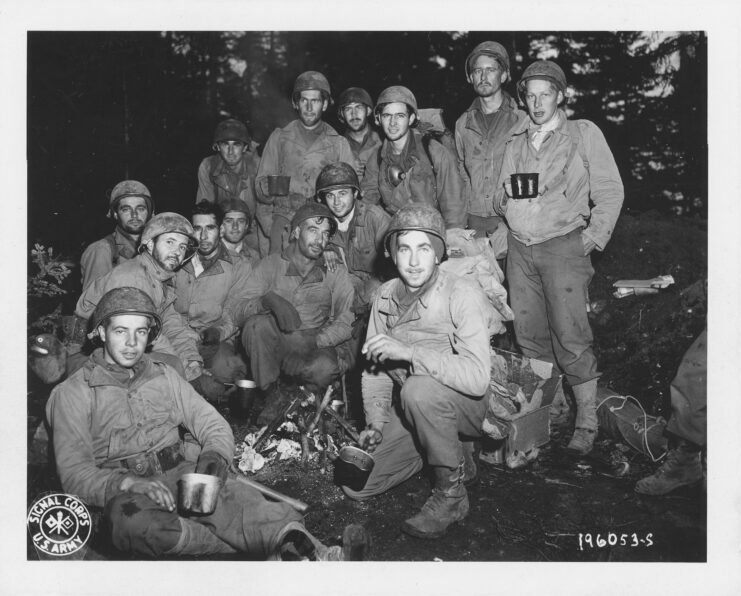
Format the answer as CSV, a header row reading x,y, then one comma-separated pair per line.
x,y
198,493
278,185
353,467
524,186
240,402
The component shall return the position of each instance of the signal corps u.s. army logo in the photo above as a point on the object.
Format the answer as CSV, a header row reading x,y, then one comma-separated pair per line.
x,y
59,525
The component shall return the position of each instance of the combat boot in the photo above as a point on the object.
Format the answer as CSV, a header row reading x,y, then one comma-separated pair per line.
x,y
296,543
470,451
682,467
447,504
585,428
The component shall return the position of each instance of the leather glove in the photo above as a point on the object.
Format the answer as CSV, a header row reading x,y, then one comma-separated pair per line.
x,y
210,336
285,313
213,464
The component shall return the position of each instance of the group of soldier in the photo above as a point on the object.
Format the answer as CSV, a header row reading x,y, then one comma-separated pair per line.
x,y
281,266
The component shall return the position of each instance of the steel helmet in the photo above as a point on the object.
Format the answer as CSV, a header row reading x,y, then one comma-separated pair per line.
x,y
235,205
231,130
394,94
336,175
129,188
314,209
416,216
353,95
126,301
543,69
162,223
312,80
487,48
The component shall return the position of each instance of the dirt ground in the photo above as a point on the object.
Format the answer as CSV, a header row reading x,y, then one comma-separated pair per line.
x,y
556,508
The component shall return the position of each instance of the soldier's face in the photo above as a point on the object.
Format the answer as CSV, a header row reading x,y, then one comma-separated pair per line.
x,y
542,99
234,227
231,151
356,116
131,215
487,76
395,120
415,258
208,233
124,339
313,235
169,250
341,201
311,106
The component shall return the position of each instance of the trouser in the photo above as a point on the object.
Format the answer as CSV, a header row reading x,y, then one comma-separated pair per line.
x,y
548,285
243,520
225,366
433,418
267,348
689,394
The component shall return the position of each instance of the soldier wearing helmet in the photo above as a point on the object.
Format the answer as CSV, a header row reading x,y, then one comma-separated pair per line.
x,y
230,174
119,448
480,135
130,205
358,242
299,151
168,240
354,108
411,167
553,233
428,334
297,314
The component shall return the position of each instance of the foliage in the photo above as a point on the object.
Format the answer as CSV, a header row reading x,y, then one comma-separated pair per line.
x,y
45,283
144,105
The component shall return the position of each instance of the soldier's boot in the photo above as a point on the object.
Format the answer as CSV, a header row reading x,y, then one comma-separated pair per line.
x,y
470,451
447,504
585,431
296,543
681,468
196,539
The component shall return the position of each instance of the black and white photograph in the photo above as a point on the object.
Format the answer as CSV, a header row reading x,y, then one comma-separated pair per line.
x,y
376,284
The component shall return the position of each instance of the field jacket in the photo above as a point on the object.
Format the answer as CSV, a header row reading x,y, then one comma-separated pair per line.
x,y
287,154
365,151
218,183
208,300
104,254
97,420
362,244
567,181
141,272
447,328
322,298
441,187
481,151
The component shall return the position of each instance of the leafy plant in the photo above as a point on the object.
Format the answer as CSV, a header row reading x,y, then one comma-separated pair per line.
x,y
45,283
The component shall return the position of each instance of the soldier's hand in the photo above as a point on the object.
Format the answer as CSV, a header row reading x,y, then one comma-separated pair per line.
x,y
381,347
286,315
331,260
589,244
193,370
211,336
213,464
154,489
370,438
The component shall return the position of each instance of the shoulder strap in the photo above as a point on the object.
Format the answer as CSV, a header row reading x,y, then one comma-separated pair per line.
x,y
575,131
114,248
